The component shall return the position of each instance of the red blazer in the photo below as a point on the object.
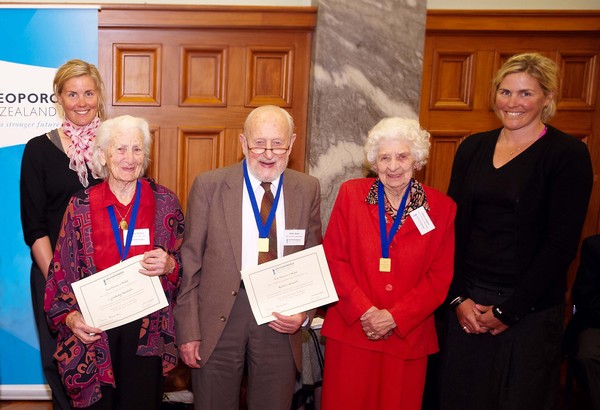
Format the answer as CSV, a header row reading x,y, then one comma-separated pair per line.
x,y
422,268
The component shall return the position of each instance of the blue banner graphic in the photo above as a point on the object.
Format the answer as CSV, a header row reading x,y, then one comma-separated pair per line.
x,y
34,42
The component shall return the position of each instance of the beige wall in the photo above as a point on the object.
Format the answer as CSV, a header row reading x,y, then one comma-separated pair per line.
x,y
286,3
431,4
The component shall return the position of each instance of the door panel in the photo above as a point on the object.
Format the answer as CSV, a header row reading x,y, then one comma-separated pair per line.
x,y
195,72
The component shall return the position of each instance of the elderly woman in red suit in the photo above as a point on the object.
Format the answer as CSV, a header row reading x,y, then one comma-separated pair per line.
x,y
390,246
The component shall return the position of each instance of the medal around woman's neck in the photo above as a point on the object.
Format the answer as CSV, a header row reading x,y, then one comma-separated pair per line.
x,y
385,262
123,224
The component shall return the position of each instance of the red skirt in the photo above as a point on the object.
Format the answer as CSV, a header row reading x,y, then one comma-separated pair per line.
x,y
368,380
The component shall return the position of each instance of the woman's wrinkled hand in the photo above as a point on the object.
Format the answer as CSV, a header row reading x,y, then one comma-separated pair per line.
x,y
157,262
377,323
87,334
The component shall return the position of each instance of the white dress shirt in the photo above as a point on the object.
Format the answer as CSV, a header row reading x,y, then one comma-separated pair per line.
x,y
249,228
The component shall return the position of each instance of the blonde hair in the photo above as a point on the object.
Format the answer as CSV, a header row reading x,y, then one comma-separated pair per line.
x,y
77,68
543,69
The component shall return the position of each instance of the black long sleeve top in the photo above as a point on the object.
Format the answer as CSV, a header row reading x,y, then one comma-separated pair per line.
x,y
551,201
47,184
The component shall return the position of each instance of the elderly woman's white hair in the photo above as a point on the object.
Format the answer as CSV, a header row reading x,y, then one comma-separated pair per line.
x,y
404,130
106,133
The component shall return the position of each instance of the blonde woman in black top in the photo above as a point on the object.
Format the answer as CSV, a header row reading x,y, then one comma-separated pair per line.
x,y
53,168
522,193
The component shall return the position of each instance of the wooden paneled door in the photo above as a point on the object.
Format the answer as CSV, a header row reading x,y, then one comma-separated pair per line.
x,y
464,49
195,72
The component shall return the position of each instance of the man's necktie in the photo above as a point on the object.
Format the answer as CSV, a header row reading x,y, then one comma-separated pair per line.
x,y
265,209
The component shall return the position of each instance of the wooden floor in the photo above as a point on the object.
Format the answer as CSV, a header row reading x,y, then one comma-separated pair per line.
x,y
26,405
47,405
578,402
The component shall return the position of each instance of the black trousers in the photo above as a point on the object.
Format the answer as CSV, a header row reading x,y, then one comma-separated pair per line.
x,y
587,364
139,381
60,399
517,369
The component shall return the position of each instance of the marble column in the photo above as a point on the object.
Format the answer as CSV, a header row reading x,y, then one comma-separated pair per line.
x,y
367,65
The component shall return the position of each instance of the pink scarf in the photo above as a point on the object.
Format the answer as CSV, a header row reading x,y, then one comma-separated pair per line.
x,y
80,149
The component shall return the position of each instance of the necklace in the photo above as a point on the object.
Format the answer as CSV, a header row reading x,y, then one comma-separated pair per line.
x,y
521,146
123,224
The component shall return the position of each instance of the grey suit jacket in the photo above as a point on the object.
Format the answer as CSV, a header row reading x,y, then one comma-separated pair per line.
x,y
212,250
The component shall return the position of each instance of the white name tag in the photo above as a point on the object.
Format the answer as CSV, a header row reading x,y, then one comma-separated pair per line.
x,y
140,237
422,220
294,237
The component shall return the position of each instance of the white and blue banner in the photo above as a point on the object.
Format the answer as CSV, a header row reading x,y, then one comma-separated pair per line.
x,y
34,42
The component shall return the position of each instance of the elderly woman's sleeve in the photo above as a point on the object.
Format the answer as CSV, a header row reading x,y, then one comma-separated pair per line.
x,y
175,220
353,302
59,299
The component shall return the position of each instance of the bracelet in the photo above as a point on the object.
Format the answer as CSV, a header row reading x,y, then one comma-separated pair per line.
x,y
456,301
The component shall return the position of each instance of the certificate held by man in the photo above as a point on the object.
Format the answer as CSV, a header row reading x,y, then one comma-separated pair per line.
x,y
288,285
119,295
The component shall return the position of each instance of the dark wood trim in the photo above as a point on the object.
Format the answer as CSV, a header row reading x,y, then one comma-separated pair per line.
x,y
189,16
573,21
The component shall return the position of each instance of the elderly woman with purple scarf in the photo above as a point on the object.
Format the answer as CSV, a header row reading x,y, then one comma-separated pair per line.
x,y
126,215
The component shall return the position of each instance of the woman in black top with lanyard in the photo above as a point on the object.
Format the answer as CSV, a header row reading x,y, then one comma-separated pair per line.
x,y
522,193
53,168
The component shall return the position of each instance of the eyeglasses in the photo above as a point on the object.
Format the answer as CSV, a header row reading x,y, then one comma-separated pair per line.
x,y
261,150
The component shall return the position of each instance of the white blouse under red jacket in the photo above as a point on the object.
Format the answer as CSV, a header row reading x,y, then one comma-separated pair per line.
x,y
421,271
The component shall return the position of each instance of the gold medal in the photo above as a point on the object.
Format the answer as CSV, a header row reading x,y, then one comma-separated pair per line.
x,y
123,225
263,244
385,264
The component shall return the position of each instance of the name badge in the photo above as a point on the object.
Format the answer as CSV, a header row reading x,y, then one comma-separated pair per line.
x,y
140,237
422,220
294,237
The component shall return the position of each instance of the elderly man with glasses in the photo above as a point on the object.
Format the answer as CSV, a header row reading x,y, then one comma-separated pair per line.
x,y
227,232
